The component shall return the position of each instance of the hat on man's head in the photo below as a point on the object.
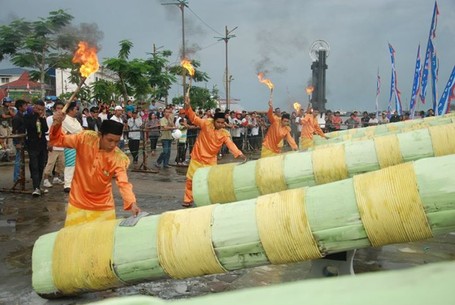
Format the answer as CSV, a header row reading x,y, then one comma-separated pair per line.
x,y
118,108
111,126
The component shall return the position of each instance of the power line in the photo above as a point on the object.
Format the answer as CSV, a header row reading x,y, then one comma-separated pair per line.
x,y
206,24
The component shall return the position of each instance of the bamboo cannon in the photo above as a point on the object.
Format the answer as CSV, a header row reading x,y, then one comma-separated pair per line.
x,y
231,182
422,285
403,203
383,129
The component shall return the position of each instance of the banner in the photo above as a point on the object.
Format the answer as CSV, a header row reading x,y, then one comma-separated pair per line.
x,y
394,84
447,95
378,90
415,84
434,77
429,52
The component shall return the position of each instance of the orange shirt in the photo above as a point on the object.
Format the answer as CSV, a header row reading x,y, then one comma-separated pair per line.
x,y
209,140
91,188
276,133
310,126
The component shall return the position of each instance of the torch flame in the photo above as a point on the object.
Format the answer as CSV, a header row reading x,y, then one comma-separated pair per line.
x,y
297,106
265,81
86,56
188,66
309,90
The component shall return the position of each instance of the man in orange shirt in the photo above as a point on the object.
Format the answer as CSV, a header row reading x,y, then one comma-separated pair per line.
x,y
98,161
209,141
278,130
310,126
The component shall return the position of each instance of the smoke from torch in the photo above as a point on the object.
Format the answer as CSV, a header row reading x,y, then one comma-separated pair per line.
x,y
86,57
267,82
186,63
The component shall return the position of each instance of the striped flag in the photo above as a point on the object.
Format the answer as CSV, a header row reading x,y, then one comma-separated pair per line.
x,y
415,84
429,52
447,95
378,90
434,78
394,84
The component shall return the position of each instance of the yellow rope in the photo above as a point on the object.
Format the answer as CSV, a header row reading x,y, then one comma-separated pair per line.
x,y
442,138
329,164
283,227
393,127
270,175
221,183
390,206
388,150
82,258
184,242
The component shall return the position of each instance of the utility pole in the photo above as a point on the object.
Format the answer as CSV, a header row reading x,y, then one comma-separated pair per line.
x,y
155,50
226,38
182,4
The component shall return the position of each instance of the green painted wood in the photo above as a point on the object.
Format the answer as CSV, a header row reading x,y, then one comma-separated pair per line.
x,y
201,187
244,177
298,170
360,157
422,285
235,236
136,259
331,212
42,279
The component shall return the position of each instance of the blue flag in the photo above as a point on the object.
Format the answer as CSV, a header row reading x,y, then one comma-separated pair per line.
x,y
415,84
394,84
434,77
429,52
447,95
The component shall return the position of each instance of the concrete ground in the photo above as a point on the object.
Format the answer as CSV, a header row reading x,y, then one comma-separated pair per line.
x,y
23,219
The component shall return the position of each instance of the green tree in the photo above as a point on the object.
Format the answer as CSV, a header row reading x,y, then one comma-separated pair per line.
x,y
159,75
200,98
121,66
103,90
35,44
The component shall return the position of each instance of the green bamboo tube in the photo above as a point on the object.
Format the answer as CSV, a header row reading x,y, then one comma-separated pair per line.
x,y
331,163
422,285
383,129
376,208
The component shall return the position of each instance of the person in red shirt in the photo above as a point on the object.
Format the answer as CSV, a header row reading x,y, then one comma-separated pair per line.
x,y
98,161
278,130
208,143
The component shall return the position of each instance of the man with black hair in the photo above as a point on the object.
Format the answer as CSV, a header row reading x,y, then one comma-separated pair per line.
x,y
93,120
19,128
310,126
36,144
279,129
55,155
98,161
71,125
211,137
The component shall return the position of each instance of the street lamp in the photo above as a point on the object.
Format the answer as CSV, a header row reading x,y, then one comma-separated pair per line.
x,y
181,4
226,38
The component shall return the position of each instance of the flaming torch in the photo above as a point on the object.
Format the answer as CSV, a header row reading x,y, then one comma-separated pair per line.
x,y
86,57
309,91
267,82
297,107
186,63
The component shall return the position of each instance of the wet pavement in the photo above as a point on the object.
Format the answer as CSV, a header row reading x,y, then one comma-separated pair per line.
x,y
23,219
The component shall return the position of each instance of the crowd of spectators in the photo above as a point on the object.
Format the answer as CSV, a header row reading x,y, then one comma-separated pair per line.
x,y
152,125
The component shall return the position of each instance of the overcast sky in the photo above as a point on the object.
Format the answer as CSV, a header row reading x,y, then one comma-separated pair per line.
x,y
274,36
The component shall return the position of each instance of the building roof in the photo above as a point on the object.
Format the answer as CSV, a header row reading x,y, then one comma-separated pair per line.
x,y
12,71
23,82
